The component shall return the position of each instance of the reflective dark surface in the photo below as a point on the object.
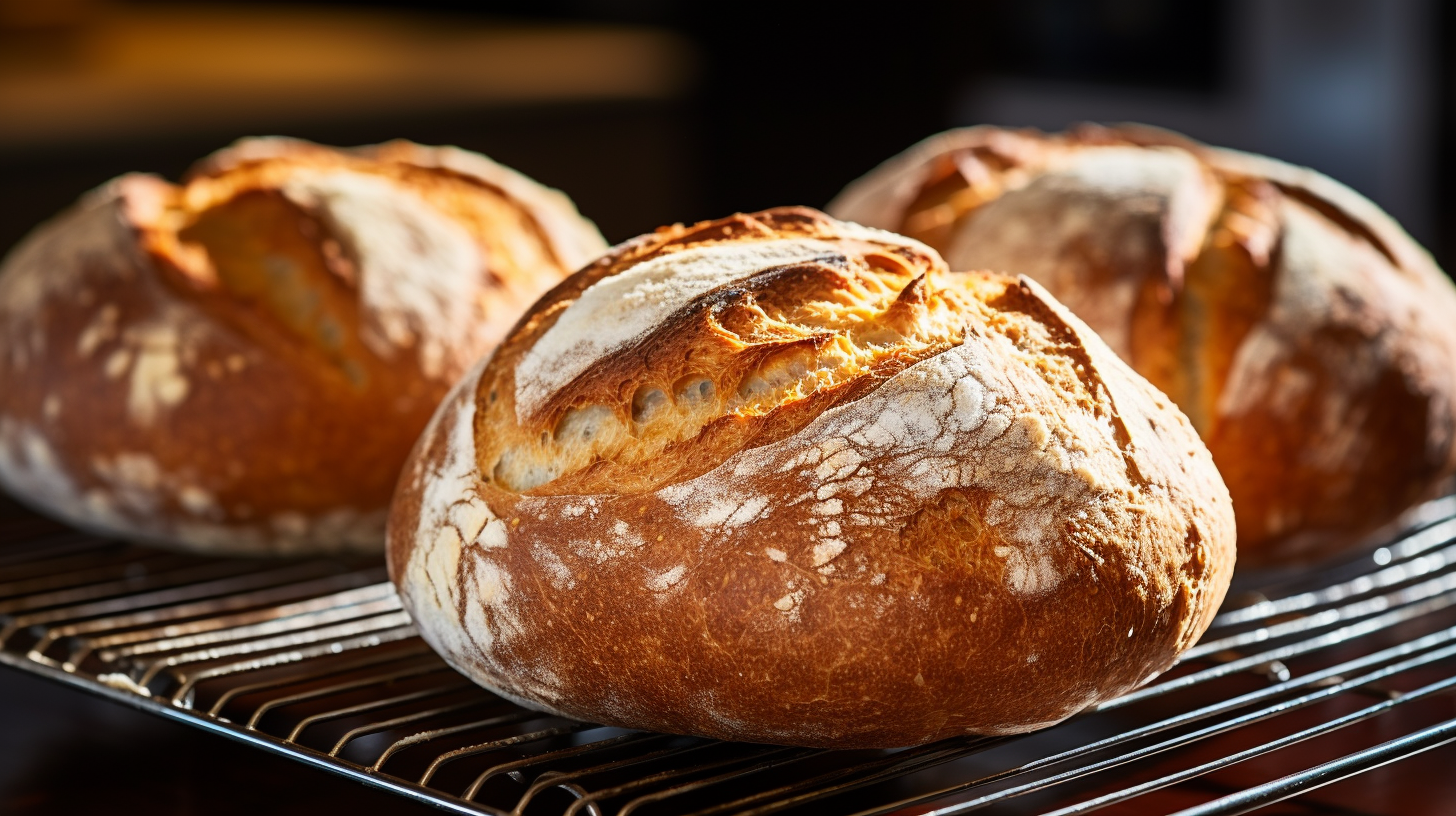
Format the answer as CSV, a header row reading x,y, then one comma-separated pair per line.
x,y
65,753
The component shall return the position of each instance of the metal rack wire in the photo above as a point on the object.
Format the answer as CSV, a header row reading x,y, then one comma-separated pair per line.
x,y
1304,682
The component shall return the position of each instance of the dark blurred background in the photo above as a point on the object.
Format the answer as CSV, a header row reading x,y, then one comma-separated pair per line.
x,y
648,112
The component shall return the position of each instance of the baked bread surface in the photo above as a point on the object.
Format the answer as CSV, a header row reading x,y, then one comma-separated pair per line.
x,y
783,479
241,363
1309,339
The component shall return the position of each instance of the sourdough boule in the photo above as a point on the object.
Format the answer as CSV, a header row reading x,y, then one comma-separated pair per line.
x,y
783,479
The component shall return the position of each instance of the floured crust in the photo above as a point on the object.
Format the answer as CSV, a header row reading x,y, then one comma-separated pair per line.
x,y
1308,338
950,510
241,363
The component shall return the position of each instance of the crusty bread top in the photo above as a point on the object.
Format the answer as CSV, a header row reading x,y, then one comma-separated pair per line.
x,y
810,447
1135,203
433,249
569,239
694,340
674,351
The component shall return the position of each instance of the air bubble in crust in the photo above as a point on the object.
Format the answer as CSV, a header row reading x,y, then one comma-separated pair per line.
x,y
646,403
581,425
776,376
696,392
515,470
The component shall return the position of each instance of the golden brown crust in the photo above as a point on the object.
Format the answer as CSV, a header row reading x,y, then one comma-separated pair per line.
x,y
1308,338
241,363
907,505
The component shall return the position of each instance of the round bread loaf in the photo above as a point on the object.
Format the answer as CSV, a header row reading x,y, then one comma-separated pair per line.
x,y
783,479
241,363
1311,342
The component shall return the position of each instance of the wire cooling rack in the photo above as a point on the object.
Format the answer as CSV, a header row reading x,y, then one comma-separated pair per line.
x,y
1303,681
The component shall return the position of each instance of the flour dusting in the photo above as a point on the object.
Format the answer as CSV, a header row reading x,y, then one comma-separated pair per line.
x,y
465,600
937,425
664,581
418,269
157,382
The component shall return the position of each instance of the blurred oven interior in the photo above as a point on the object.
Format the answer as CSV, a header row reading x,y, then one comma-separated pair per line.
x,y
647,113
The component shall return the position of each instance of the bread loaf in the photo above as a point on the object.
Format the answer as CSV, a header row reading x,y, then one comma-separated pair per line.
x,y
1311,342
241,363
783,479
